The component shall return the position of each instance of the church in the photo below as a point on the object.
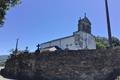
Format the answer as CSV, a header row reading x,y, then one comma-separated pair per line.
x,y
80,39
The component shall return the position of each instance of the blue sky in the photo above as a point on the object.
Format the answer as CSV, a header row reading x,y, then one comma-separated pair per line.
x,y
38,21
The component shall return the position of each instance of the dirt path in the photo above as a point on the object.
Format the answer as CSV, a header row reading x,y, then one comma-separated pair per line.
x,y
2,78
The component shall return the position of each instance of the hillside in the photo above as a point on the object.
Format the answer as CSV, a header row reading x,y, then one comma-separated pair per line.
x,y
3,58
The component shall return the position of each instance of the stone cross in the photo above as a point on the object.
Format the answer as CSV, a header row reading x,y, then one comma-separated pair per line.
x,y
38,46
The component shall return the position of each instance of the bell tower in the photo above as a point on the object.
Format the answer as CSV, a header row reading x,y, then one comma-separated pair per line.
x,y
84,25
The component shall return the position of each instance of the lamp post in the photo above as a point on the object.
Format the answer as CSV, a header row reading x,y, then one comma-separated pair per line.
x,y
108,24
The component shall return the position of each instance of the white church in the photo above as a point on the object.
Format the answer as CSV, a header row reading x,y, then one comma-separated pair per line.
x,y
81,39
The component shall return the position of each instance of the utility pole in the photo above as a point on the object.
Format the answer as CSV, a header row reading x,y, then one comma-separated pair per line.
x,y
16,49
108,24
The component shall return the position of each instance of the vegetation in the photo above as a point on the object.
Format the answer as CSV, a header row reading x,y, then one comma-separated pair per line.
x,y
102,42
115,42
3,58
4,6
2,64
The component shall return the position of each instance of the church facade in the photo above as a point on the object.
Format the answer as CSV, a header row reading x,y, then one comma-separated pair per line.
x,y
81,39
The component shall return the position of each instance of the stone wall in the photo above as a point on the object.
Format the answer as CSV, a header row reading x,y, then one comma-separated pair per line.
x,y
65,65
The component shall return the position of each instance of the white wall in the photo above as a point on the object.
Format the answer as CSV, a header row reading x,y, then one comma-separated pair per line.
x,y
60,43
87,40
68,43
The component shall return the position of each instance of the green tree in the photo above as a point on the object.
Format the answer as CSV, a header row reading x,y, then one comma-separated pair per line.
x,y
102,42
4,6
115,42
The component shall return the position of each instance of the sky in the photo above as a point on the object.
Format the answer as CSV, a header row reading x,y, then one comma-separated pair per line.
x,y
38,21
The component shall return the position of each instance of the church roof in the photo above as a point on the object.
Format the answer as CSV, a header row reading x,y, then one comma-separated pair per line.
x,y
57,39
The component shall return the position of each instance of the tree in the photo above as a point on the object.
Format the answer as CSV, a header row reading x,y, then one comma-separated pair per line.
x,y
115,42
102,42
5,5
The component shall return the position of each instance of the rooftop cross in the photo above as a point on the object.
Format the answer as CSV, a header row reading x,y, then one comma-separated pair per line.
x,y
80,18
85,14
